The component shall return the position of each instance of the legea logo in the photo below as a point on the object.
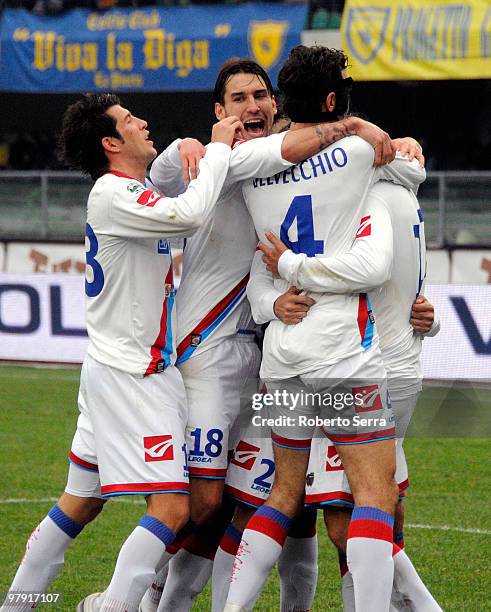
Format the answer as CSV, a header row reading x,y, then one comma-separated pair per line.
x,y
370,398
245,455
158,448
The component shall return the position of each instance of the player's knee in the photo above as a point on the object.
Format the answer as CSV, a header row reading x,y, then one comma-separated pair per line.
x,y
82,510
171,509
94,509
288,498
203,513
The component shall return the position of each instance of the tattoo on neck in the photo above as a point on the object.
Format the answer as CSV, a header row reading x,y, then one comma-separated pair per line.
x,y
327,133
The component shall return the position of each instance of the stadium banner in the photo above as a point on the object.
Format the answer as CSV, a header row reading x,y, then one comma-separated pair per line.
x,y
417,39
144,49
42,319
462,349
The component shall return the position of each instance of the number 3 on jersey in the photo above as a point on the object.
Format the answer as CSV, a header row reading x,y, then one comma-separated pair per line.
x,y
94,287
301,210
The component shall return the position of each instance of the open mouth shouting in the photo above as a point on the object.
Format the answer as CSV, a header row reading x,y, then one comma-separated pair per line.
x,y
254,127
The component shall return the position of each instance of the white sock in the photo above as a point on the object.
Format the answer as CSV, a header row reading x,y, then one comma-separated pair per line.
x,y
369,553
347,586
408,583
298,571
222,567
259,549
187,577
151,599
140,556
44,556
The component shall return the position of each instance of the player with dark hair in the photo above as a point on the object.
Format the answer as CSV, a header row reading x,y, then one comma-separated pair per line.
x,y
315,208
133,412
217,355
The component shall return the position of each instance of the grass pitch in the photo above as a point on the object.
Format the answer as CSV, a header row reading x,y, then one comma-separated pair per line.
x,y
448,512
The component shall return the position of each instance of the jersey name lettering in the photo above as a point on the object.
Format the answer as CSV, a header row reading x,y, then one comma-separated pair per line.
x,y
319,165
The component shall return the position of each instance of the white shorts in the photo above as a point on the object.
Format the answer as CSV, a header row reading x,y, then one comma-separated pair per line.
x,y
131,430
218,382
326,482
348,401
251,472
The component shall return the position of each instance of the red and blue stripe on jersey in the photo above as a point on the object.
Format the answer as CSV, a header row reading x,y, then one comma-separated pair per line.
x,y
365,321
211,321
162,348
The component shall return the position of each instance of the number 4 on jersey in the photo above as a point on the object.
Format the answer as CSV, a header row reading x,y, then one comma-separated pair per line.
x,y
301,210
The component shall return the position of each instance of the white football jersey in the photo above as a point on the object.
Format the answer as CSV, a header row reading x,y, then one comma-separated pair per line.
x,y
211,301
129,287
388,244
315,208
392,303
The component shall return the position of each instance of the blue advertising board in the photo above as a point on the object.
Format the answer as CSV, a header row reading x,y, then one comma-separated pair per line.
x,y
145,49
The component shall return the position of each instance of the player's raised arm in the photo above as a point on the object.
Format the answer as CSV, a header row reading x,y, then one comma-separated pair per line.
x,y
142,212
402,171
177,165
300,144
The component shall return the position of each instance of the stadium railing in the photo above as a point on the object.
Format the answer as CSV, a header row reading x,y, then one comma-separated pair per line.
x,y
51,206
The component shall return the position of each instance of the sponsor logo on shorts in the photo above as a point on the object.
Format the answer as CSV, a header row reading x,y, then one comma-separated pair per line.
x,y
370,396
158,448
333,461
245,455
160,366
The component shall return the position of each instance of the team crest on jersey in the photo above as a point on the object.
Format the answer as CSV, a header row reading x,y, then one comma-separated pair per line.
x,y
245,455
333,461
135,187
266,41
195,339
163,247
366,29
365,227
158,448
370,396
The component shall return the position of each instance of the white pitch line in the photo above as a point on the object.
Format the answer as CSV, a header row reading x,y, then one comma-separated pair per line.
x,y
43,500
448,528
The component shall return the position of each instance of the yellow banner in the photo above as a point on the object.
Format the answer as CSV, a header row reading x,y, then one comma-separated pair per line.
x,y
417,39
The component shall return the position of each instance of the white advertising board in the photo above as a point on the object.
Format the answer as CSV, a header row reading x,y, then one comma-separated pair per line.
x,y
462,349
437,266
471,267
42,319
46,258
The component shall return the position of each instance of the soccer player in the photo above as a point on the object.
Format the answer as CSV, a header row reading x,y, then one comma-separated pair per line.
x,y
333,352
216,352
392,217
130,432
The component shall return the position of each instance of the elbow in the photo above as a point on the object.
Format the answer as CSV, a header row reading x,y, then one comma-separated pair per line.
x,y
380,274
